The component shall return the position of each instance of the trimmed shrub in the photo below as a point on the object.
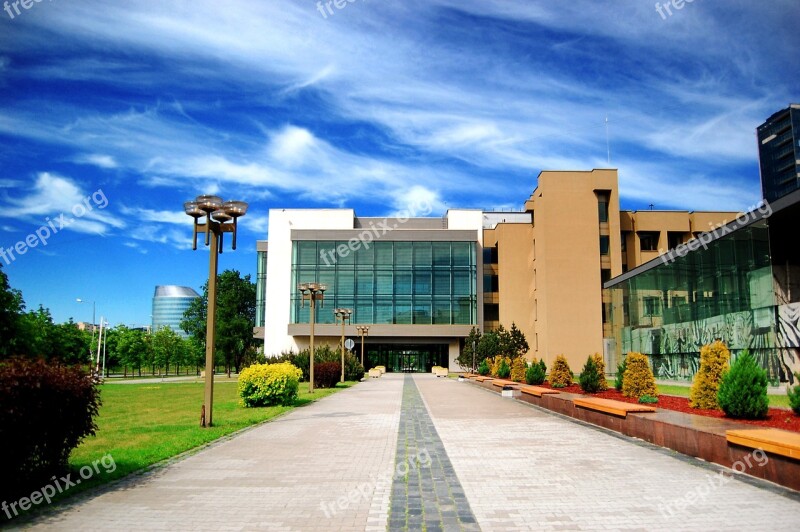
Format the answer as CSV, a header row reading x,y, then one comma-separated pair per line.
x,y
560,374
353,370
713,363
47,410
794,395
504,370
497,362
483,368
638,379
601,371
648,399
743,389
327,374
518,368
536,373
621,367
269,384
589,378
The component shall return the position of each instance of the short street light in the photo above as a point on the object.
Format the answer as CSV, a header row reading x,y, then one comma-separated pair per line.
x,y
220,217
363,330
313,292
343,314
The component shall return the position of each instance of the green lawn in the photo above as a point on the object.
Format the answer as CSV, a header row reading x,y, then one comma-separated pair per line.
x,y
142,424
776,401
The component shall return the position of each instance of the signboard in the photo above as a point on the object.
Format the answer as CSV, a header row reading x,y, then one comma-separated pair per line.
x,y
349,343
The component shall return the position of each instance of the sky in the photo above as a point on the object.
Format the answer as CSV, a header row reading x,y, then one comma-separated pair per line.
x,y
114,113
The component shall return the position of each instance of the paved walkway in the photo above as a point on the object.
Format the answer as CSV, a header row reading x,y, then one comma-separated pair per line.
x,y
332,466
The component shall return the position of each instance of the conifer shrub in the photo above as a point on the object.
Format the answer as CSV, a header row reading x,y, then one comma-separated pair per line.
x,y
743,389
601,371
536,373
504,370
518,368
483,368
638,379
497,362
269,384
794,395
621,367
648,399
589,378
560,374
714,359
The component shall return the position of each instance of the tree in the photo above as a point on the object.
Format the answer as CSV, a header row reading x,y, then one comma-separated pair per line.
x,y
71,344
167,347
713,363
465,359
11,307
742,390
133,349
489,345
236,317
517,344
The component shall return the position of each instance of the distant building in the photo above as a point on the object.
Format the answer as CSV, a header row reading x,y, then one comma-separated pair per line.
x,y
169,304
779,153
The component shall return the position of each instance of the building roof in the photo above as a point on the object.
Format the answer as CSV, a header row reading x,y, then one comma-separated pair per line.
x,y
171,290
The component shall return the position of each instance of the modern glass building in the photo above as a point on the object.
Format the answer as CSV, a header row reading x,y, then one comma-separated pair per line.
x,y
169,304
736,283
779,153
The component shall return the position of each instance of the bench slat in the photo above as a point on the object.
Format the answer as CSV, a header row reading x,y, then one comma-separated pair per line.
x,y
537,391
610,406
775,441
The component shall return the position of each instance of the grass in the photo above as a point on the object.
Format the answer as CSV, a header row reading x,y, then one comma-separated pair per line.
x,y
142,424
775,401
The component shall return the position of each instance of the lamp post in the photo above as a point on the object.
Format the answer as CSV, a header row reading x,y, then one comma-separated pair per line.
x,y
363,330
220,217
312,292
343,314
94,309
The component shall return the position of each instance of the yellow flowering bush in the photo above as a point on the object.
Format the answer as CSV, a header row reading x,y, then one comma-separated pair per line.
x,y
713,364
560,373
638,379
269,384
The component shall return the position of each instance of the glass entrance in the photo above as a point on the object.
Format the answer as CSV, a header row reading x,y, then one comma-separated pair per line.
x,y
400,358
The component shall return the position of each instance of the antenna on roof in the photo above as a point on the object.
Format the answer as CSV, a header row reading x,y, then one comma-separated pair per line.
x,y
608,143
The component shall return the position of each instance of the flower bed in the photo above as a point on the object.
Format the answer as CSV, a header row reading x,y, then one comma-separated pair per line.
x,y
777,418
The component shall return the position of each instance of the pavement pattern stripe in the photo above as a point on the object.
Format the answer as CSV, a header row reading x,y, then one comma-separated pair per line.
x,y
426,493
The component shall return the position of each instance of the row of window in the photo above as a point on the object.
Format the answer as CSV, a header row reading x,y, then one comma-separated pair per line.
x,y
357,253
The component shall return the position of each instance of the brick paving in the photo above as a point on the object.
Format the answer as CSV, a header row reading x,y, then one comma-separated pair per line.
x,y
523,468
426,490
331,466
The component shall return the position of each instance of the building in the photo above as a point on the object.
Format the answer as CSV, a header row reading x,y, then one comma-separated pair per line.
x,y
739,282
415,281
169,304
779,153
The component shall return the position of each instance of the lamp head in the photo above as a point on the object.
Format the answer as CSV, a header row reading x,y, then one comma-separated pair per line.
x,y
208,203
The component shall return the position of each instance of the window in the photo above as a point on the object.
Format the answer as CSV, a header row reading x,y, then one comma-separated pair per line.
x,y
602,206
674,239
648,240
604,244
491,312
651,306
605,275
490,255
490,283
623,241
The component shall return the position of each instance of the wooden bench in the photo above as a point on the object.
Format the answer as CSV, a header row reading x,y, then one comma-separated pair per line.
x,y
504,382
609,406
537,391
774,441
482,379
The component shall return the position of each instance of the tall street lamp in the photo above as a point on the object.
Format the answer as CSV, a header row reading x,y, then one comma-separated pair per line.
x,y
220,217
343,314
363,330
94,309
313,292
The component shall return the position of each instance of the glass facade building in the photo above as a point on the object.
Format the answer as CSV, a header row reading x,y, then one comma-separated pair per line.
x,y
389,282
169,304
779,153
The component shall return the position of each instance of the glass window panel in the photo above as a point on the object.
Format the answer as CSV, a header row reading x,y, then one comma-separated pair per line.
x,y
422,254
384,282
345,282
384,311
366,280
363,310
463,310
326,255
441,311
461,254
402,311
441,254
365,256
403,252
422,282
384,253
461,283
306,252
441,282
422,311
402,283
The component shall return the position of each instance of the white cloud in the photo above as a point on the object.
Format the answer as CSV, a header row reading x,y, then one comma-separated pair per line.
x,y
97,159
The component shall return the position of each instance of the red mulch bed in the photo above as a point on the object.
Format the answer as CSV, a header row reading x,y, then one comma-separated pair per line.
x,y
777,418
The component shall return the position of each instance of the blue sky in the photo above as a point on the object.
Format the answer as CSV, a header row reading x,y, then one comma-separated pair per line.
x,y
139,106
